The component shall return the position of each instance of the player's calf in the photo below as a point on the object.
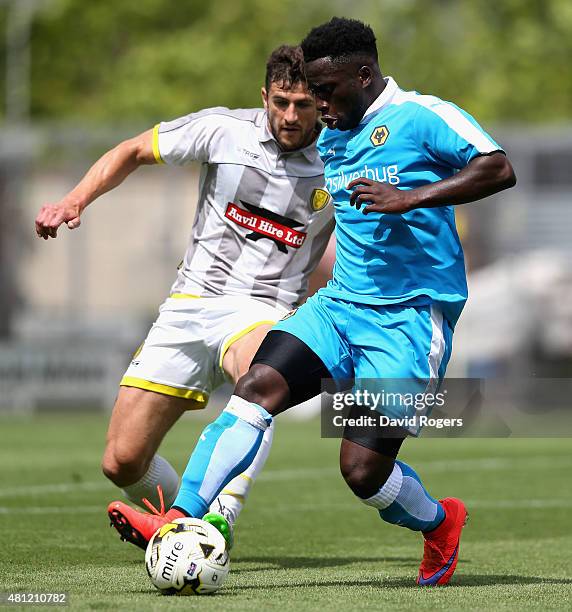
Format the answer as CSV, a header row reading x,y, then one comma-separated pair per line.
x,y
401,499
224,450
391,486
138,424
365,472
123,468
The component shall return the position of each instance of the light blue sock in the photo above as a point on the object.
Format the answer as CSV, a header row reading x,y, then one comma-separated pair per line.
x,y
225,449
403,500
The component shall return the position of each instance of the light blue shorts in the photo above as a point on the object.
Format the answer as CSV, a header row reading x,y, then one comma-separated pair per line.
x,y
408,342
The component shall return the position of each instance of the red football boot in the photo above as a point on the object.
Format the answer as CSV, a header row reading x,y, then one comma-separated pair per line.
x,y
138,527
441,550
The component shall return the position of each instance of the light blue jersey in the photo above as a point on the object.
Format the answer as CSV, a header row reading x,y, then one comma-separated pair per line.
x,y
407,140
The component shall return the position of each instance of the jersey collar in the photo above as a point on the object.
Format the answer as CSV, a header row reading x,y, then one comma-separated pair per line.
x,y
384,97
311,152
264,133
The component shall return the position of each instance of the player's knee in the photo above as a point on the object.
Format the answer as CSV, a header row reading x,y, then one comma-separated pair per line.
x,y
361,478
123,466
263,385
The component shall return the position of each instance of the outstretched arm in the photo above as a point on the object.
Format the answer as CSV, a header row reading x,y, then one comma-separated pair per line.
x,y
108,172
483,176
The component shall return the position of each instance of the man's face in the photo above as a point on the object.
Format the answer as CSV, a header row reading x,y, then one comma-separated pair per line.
x,y
339,92
292,115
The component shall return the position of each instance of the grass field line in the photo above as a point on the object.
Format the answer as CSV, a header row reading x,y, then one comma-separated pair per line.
x,y
67,487
491,504
54,510
472,504
453,465
447,465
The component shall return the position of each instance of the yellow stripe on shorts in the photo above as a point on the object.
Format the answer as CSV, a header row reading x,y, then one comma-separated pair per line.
x,y
239,335
190,394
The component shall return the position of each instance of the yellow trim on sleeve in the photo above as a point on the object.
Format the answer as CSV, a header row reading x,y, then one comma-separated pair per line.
x,y
182,296
190,394
156,152
238,336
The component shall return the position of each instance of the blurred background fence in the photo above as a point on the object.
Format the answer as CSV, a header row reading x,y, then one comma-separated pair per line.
x,y
78,77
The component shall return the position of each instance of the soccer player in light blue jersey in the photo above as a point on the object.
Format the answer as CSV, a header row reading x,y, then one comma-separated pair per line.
x,y
395,164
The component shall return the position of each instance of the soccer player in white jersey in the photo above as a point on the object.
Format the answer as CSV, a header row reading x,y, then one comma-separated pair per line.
x,y
262,224
395,163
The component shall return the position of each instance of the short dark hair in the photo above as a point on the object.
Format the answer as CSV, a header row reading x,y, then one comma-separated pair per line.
x,y
340,39
285,66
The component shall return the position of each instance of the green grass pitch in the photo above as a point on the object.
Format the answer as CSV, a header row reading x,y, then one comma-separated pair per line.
x,y
303,541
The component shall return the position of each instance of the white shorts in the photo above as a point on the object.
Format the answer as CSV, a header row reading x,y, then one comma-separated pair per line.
x,y
183,352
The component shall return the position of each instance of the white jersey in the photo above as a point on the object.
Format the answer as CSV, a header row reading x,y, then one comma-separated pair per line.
x,y
263,218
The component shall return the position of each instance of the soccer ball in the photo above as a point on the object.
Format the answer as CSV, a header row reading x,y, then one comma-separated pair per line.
x,y
187,557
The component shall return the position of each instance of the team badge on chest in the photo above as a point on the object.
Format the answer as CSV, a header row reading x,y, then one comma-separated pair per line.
x,y
319,199
379,135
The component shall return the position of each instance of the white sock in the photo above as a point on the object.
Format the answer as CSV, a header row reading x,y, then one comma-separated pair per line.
x,y
404,501
230,500
160,472
389,492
